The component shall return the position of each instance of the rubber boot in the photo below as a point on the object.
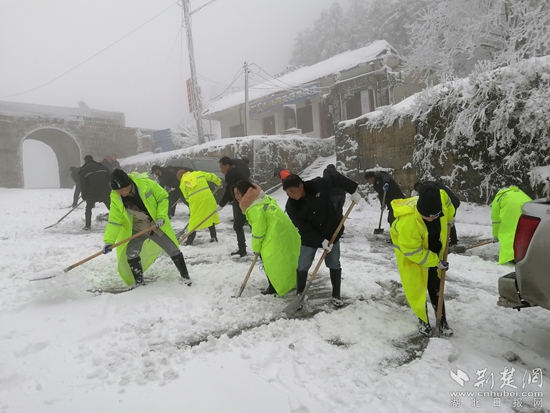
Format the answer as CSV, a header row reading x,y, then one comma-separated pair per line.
x,y
301,280
336,281
137,270
179,261
270,289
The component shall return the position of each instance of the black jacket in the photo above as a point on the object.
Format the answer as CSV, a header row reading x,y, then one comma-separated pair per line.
x,y
393,193
454,199
336,191
168,178
314,214
94,182
232,176
242,165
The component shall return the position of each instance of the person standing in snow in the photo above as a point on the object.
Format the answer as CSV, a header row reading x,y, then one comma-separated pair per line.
x,y
94,184
115,164
419,235
383,183
274,236
137,203
505,213
454,199
232,176
311,210
168,180
337,195
195,189
243,166
107,163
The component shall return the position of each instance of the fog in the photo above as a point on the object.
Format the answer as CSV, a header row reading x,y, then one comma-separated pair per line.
x,y
40,168
143,75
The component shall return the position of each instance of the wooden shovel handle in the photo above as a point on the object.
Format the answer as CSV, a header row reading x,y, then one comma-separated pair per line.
x,y
97,254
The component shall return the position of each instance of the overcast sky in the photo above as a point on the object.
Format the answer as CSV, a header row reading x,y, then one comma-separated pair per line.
x,y
144,74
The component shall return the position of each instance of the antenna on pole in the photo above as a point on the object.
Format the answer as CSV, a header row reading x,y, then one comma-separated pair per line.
x,y
195,89
246,102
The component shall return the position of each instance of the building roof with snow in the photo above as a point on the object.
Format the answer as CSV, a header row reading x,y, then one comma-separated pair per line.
x,y
341,62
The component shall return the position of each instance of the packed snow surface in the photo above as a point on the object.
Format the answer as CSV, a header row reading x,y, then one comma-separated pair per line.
x,y
166,347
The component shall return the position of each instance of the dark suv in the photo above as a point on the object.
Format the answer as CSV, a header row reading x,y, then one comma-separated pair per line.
x,y
529,284
202,164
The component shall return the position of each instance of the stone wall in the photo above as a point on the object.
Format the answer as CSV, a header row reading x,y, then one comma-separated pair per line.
x,y
360,149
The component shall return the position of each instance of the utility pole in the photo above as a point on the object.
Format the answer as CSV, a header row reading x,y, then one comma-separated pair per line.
x,y
246,103
197,101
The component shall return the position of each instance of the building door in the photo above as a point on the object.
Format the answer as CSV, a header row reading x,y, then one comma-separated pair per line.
x,y
269,125
353,106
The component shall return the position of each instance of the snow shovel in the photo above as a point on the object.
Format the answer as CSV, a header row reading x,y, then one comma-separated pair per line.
x,y
440,299
297,303
53,273
380,230
461,249
63,217
196,227
256,255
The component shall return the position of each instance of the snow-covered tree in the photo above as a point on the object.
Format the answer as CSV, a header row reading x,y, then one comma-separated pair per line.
x,y
452,36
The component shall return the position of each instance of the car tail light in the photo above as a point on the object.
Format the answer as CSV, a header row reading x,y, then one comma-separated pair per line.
x,y
524,232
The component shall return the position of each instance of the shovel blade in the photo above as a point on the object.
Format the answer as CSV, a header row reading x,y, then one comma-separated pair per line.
x,y
295,304
458,249
379,231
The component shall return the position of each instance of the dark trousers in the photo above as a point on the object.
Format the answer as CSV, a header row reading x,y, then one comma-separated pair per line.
x,y
91,204
433,290
238,225
173,198
454,238
191,237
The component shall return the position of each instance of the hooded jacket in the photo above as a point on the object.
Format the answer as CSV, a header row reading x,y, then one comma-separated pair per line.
x,y
274,237
119,225
409,236
505,213
195,189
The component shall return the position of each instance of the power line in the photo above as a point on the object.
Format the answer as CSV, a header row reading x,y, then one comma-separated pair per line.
x,y
88,59
239,72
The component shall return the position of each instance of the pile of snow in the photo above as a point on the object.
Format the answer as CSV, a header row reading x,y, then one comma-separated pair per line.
x,y
171,348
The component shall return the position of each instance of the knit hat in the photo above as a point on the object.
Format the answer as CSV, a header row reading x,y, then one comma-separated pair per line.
x,y
88,158
120,179
429,201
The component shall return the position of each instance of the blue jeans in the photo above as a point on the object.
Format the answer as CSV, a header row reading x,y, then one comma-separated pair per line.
x,y
307,255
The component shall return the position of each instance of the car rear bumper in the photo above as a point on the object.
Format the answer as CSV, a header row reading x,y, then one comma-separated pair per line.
x,y
509,293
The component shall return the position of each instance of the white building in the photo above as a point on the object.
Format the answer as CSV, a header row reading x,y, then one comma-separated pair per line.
x,y
312,99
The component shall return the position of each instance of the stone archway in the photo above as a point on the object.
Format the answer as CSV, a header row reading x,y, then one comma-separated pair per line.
x,y
65,148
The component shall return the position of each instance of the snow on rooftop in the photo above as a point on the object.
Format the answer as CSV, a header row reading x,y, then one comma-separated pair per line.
x,y
304,75
29,109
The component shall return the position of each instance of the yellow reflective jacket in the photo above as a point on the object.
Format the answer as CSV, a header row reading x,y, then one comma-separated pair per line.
x,y
275,237
195,189
505,213
119,225
409,235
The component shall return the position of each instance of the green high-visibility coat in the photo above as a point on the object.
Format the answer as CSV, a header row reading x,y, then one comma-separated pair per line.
x,y
275,237
195,189
409,236
119,225
505,213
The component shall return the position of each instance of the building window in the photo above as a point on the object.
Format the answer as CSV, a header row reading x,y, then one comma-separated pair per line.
x,y
236,131
368,100
268,125
305,119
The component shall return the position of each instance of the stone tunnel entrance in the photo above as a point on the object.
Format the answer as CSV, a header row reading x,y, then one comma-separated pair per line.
x,y
65,148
